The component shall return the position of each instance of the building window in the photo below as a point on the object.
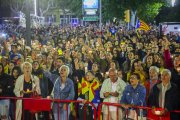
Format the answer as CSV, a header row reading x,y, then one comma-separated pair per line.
x,y
51,18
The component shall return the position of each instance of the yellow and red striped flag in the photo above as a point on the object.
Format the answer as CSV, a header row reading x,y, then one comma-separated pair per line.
x,y
141,25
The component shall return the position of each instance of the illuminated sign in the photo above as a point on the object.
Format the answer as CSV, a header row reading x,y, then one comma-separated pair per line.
x,y
90,11
90,4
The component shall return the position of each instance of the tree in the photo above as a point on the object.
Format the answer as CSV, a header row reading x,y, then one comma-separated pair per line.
x,y
63,5
149,11
169,14
44,6
111,9
76,7
15,5
136,6
70,6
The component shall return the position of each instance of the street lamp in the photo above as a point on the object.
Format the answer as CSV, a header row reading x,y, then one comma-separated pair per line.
x,y
173,2
100,16
35,7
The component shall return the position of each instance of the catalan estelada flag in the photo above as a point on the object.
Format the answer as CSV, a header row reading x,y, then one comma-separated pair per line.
x,y
141,25
86,86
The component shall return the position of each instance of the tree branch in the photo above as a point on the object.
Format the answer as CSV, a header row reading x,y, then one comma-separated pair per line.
x,y
12,8
23,5
43,12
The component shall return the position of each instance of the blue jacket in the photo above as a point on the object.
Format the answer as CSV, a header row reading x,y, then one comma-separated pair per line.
x,y
63,94
135,96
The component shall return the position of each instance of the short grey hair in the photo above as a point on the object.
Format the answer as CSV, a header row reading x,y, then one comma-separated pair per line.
x,y
112,69
65,66
166,70
154,68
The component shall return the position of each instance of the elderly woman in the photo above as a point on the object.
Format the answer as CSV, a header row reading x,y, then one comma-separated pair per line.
x,y
164,95
25,86
63,90
153,79
134,94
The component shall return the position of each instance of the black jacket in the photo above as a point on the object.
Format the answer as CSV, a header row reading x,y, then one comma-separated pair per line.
x,y
6,85
175,78
171,98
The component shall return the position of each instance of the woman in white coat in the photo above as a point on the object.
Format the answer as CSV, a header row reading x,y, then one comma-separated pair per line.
x,y
24,86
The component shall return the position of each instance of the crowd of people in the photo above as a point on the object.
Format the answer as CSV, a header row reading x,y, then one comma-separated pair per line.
x,y
129,67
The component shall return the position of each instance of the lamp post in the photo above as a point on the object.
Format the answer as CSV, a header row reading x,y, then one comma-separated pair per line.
x,y
28,24
35,7
100,15
173,2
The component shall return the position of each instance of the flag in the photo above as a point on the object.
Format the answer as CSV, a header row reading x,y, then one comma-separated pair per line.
x,y
86,86
141,25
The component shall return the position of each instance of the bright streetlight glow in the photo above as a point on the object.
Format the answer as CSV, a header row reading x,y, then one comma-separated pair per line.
x,y
173,2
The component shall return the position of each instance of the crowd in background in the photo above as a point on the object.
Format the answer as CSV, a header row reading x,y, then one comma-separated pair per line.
x,y
83,63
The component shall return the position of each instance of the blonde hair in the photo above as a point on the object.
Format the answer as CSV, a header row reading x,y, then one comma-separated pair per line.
x,y
26,64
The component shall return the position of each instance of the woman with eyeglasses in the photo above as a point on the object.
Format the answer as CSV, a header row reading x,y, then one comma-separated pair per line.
x,y
134,95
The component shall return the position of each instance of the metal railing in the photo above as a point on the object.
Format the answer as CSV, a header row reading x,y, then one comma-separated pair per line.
x,y
38,104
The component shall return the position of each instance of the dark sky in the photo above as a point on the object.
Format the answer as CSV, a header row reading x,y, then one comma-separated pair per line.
x,y
4,10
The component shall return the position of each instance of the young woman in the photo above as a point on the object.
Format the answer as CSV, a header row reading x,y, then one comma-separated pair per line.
x,y
46,85
138,68
25,86
88,90
16,72
63,90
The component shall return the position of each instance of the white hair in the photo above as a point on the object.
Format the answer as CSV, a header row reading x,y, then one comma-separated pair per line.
x,y
154,68
167,71
24,64
112,69
67,68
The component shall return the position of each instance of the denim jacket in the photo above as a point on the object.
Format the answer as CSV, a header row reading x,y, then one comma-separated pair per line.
x,y
67,93
134,96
